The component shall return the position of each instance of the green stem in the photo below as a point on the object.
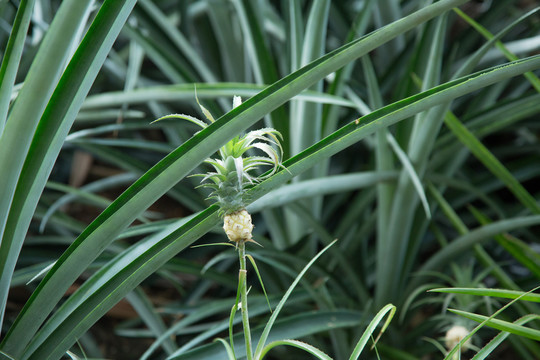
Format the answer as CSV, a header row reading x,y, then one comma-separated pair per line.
x,y
243,297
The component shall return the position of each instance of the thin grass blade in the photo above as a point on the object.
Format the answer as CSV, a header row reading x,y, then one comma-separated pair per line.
x,y
409,168
371,328
501,325
499,293
228,349
497,340
264,336
491,162
298,344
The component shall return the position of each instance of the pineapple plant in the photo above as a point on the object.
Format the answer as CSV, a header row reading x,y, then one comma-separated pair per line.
x,y
234,170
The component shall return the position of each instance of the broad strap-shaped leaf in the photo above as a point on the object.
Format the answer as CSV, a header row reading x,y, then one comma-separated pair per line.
x,y
500,293
184,92
12,56
54,124
23,120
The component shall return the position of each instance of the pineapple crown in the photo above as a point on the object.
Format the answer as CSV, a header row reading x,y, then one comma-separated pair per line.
x,y
234,169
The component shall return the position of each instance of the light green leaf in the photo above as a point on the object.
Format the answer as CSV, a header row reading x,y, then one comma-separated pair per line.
x,y
12,56
298,344
500,293
405,161
15,140
501,325
371,328
20,194
264,336
252,260
184,92
491,162
497,340
228,349
299,325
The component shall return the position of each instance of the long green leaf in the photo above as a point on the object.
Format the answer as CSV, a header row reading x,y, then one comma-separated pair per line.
x,y
295,326
533,79
12,57
264,336
500,293
497,340
501,325
34,96
24,116
320,186
298,344
393,252
491,162
371,328
143,306
467,241
179,92
52,129
391,114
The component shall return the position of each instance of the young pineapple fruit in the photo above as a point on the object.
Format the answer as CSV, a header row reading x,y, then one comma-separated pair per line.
x,y
227,184
238,226
233,172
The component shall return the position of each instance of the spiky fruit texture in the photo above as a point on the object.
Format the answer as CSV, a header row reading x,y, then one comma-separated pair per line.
x,y
238,226
229,193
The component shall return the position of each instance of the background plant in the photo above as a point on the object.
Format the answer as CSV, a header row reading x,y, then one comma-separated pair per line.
x,y
406,201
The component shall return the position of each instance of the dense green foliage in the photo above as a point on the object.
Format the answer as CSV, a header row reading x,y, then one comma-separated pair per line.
x,y
409,135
